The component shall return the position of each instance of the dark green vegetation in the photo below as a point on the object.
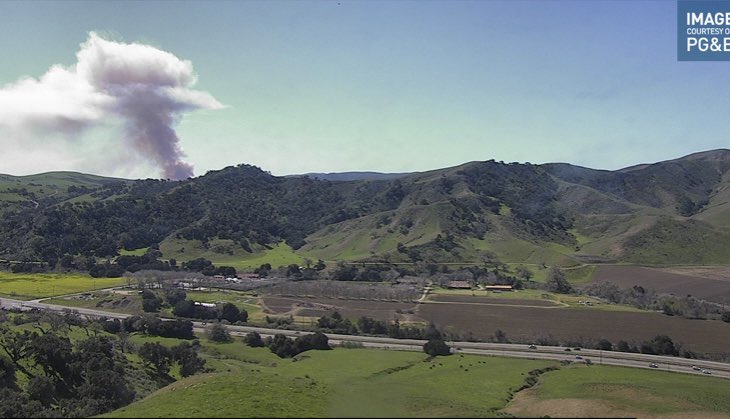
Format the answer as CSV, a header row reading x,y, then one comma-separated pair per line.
x,y
54,365
668,212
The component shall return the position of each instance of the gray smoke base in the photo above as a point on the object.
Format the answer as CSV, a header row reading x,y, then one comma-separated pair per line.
x,y
146,89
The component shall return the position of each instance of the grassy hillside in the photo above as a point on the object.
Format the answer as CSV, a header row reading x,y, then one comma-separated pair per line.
x,y
678,242
252,382
602,391
339,383
229,253
555,214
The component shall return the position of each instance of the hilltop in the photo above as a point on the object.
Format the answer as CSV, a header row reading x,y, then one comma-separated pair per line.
x,y
676,211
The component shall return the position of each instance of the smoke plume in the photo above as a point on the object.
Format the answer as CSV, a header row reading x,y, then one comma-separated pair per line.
x,y
142,90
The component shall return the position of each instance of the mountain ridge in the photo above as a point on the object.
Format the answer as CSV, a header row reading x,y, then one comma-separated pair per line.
x,y
553,213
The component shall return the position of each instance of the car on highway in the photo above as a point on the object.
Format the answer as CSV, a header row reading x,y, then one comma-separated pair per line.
x,y
706,372
532,347
696,368
578,357
653,365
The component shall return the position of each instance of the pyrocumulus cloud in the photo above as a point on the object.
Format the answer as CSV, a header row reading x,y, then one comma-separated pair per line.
x,y
144,89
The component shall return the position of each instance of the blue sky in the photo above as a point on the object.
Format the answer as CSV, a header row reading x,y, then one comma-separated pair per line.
x,y
397,86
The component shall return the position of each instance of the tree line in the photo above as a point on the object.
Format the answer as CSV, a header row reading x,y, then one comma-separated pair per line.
x,y
65,377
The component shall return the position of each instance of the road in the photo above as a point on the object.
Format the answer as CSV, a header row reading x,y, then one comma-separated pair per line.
x,y
556,353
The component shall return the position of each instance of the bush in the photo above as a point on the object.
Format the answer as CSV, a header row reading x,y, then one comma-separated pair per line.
x,y
218,333
253,339
435,347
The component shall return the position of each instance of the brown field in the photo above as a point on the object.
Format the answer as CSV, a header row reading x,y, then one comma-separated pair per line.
x,y
491,300
668,280
520,323
529,323
352,309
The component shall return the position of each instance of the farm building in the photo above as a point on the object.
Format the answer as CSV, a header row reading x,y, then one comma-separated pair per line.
x,y
498,287
459,285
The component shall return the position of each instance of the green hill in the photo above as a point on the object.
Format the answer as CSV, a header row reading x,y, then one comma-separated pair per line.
x,y
554,213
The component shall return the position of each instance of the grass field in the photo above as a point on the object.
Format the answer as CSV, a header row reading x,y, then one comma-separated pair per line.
x,y
339,383
623,392
32,286
530,296
227,253
252,382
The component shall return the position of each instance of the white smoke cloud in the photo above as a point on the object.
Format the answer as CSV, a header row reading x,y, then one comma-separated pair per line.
x,y
138,89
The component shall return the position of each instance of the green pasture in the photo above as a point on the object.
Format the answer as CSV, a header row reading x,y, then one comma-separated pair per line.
x,y
136,252
252,382
652,391
227,253
32,286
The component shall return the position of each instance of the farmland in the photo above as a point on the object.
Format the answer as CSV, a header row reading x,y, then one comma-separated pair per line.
x,y
316,307
706,283
522,319
526,323
32,286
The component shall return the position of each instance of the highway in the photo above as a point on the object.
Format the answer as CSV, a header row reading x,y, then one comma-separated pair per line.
x,y
556,353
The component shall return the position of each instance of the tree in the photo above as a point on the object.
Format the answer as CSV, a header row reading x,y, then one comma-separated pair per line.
x,y
556,282
253,339
524,273
108,388
157,356
232,313
726,316
7,372
43,389
282,346
436,347
174,296
17,345
150,301
53,354
605,345
500,336
218,333
186,355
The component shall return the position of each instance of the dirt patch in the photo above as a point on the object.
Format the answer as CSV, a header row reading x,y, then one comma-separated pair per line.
x,y
527,404
353,309
670,281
